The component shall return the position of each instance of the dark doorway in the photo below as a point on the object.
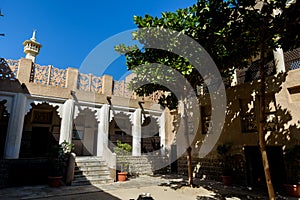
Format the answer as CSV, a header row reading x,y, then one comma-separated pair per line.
x,y
255,171
4,117
41,141
3,134
174,164
150,143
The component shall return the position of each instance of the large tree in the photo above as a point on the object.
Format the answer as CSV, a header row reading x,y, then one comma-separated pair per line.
x,y
231,31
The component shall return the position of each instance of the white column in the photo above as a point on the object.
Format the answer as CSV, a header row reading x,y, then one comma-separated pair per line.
x,y
66,126
103,128
233,81
162,133
15,127
278,53
279,60
136,132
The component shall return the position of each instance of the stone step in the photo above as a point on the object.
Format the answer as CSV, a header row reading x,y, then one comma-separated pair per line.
x,y
91,162
88,158
91,173
101,176
91,170
81,183
88,181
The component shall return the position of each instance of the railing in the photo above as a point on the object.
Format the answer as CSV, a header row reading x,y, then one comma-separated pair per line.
x,y
120,88
49,75
109,157
292,59
89,83
252,72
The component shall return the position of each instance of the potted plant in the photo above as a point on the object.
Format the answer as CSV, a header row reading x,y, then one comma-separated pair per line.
x,y
58,158
122,149
226,163
292,164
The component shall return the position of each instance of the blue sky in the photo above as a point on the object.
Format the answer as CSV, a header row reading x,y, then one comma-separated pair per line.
x,y
70,29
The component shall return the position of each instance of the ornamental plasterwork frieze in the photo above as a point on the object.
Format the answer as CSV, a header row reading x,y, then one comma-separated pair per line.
x,y
57,77
89,83
120,88
79,108
49,75
31,102
115,112
158,120
8,104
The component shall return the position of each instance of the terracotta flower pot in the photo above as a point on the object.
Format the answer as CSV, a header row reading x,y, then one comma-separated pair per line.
x,y
292,190
227,180
122,176
55,181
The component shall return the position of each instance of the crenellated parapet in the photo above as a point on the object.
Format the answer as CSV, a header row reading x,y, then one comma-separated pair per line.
x,y
48,77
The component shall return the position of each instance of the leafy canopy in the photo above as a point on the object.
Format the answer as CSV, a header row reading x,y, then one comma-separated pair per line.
x,y
229,30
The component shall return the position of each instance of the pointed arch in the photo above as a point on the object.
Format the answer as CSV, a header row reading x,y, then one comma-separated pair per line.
x,y
8,103
31,103
85,131
150,134
120,128
41,129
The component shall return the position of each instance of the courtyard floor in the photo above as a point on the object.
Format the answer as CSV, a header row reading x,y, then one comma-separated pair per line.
x,y
159,187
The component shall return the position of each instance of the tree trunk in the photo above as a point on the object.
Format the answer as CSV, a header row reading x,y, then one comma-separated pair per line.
x,y
186,134
261,129
189,165
189,149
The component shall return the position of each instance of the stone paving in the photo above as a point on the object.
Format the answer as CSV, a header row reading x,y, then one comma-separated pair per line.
x,y
209,189
42,191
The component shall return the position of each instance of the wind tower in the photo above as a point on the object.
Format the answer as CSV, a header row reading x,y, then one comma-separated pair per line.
x,y
32,47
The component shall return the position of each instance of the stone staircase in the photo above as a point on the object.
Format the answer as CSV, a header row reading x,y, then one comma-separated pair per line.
x,y
91,170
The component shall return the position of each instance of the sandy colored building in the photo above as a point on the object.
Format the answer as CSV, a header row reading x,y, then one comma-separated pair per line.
x,y
44,105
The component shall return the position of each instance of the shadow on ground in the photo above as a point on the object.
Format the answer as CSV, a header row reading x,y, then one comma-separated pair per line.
x,y
221,191
63,192
100,195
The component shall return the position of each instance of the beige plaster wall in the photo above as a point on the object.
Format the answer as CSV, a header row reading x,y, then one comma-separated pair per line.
x,y
287,131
